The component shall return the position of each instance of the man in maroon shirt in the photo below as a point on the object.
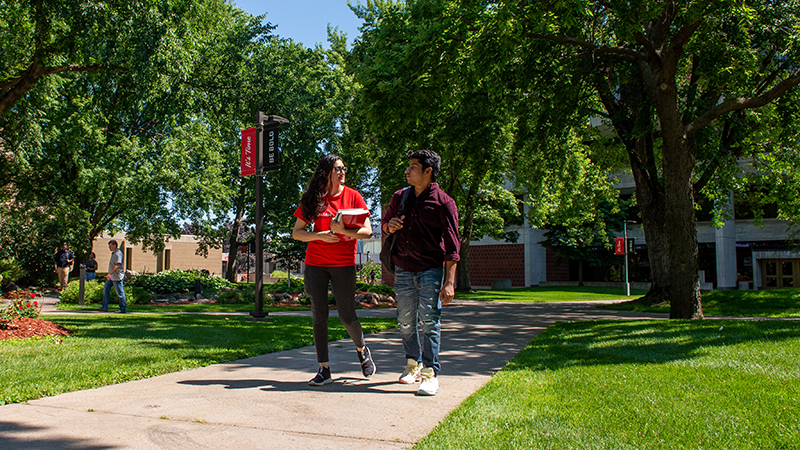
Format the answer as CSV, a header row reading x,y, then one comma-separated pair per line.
x,y
425,256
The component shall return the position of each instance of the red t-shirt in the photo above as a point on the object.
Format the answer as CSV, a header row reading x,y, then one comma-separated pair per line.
x,y
338,254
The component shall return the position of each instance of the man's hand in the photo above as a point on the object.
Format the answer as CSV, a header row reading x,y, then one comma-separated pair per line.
x,y
447,293
448,287
394,224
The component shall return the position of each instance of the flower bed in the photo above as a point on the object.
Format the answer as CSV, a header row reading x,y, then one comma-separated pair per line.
x,y
26,327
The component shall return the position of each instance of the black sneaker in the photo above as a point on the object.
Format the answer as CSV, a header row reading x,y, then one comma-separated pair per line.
x,y
323,377
367,364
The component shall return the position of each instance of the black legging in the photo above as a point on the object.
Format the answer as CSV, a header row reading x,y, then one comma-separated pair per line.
x,y
343,281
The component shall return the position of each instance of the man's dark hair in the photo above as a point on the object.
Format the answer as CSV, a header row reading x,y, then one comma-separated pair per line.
x,y
428,158
113,241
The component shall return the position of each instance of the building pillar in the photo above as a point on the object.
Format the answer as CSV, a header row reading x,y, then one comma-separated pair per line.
x,y
725,239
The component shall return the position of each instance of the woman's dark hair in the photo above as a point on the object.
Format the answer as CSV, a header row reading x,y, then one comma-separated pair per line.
x,y
313,197
91,255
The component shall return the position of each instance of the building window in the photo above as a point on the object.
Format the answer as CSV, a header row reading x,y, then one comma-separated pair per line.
x,y
129,259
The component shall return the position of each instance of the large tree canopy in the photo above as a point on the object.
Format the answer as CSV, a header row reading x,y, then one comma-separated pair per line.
x,y
667,76
420,89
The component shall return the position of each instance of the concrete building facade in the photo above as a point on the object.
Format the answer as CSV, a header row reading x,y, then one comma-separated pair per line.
x,y
742,254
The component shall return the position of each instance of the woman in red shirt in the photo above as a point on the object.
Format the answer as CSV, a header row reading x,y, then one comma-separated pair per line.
x,y
331,257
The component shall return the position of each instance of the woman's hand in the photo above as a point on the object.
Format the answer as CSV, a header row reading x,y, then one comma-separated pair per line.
x,y
327,236
338,227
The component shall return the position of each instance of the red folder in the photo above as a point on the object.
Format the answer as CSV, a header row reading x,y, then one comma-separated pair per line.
x,y
353,218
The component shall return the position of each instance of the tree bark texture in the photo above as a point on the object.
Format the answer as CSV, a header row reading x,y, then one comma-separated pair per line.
x,y
680,222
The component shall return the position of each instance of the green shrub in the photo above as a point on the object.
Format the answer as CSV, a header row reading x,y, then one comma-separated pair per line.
x,y
369,270
6,317
282,286
376,288
10,270
304,299
278,274
236,295
169,281
93,293
136,295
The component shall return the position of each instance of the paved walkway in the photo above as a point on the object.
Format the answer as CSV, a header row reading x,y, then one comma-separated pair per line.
x,y
265,402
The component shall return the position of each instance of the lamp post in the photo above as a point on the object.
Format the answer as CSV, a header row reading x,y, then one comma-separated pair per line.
x,y
625,239
267,160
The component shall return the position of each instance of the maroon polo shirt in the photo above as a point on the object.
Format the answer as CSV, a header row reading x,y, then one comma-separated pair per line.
x,y
429,236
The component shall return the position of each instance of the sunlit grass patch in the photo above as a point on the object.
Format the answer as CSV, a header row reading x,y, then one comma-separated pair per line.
x,y
647,384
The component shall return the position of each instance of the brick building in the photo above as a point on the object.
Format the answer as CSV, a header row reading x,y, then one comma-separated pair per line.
x,y
177,254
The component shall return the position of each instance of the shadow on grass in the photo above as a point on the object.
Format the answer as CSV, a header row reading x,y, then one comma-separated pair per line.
x,y
204,338
767,303
614,342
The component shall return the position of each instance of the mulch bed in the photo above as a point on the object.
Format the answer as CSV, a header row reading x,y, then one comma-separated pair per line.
x,y
27,327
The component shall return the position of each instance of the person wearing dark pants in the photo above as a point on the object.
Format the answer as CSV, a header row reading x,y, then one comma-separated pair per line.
x,y
425,255
331,257
91,267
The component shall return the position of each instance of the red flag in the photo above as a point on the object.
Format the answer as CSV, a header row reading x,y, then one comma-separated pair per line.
x,y
619,246
248,166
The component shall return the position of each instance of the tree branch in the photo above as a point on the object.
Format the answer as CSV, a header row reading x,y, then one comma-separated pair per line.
x,y
736,104
675,50
597,50
16,88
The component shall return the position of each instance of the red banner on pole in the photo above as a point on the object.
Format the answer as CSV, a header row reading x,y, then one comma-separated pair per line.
x,y
248,166
619,246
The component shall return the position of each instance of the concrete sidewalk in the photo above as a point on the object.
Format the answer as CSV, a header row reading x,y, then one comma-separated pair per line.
x,y
265,402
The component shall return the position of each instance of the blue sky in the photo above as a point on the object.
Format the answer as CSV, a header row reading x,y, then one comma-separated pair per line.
x,y
305,21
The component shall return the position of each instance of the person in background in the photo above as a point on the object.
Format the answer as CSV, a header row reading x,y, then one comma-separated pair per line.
x,y
91,267
63,260
426,253
331,257
114,279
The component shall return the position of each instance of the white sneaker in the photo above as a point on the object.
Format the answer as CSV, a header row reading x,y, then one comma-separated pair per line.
x,y
412,373
430,384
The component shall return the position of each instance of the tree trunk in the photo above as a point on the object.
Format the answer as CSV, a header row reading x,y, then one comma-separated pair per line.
x,y
652,209
680,222
234,243
463,282
462,269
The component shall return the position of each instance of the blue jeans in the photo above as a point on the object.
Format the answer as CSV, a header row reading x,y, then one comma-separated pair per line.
x,y
418,312
120,293
91,276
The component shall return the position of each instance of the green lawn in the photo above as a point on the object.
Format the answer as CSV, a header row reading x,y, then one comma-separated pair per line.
x,y
768,303
549,294
645,384
190,307
109,349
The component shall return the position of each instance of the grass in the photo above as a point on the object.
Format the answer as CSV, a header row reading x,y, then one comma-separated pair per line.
x,y
639,384
549,294
113,349
189,307
767,303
